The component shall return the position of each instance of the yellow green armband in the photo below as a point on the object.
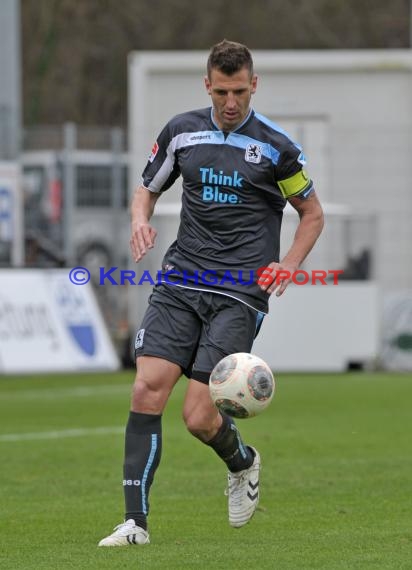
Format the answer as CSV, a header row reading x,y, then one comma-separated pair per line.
x,y
295,184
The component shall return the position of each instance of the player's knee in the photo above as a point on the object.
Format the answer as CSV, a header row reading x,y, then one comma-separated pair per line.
x,y
193,424
191,418
200,425
148,395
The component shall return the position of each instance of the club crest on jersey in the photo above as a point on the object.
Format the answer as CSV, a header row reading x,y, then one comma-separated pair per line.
x,y
138,343
253,153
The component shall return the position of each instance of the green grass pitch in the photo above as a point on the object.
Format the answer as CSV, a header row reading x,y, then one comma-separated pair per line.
x,y
336,483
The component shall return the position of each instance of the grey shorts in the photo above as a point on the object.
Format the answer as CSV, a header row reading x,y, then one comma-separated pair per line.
x,y
195,329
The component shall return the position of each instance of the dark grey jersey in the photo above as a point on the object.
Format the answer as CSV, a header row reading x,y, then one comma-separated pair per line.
x,y
235,187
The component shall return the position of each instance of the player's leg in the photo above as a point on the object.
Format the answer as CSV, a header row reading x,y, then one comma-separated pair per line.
x,y
217,430
229,326
155,379
220,432
164,347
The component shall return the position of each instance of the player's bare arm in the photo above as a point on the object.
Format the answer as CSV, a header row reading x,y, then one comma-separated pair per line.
x,y
143,235
309,228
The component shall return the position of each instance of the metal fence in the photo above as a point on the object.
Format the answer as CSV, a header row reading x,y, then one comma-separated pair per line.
x,y
75,183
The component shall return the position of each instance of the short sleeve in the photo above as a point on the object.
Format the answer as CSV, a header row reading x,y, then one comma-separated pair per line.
x,y
162,168
292,178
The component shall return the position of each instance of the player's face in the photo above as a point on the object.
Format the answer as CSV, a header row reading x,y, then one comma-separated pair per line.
x,y
231,96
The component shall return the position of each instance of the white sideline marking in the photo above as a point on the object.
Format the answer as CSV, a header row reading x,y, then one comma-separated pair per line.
x,y
79,432
64,392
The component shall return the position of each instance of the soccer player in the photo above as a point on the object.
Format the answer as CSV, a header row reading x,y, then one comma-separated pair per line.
x,y
238,170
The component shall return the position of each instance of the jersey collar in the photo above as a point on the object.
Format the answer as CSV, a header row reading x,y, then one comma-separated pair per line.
x,y
245,120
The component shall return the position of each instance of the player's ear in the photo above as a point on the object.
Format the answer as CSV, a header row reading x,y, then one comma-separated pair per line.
x,y
207,85
254,83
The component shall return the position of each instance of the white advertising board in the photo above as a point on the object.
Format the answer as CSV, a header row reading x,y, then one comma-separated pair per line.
x,y
48,324
321,328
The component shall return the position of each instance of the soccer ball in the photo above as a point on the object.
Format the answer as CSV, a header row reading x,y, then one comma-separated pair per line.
x,y
242,385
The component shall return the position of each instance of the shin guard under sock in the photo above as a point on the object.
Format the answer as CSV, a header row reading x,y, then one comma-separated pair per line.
x,y
143,445
229,446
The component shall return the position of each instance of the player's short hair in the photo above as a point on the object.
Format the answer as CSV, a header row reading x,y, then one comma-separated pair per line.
x,y
229,57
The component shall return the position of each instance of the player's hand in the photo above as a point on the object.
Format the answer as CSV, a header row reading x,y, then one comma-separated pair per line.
x,y
275,277
142,239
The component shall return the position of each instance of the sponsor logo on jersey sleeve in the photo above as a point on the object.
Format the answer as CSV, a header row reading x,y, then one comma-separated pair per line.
x,y
154,152
302,159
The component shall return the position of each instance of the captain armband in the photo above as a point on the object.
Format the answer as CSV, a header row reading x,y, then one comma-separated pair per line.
x,y
297,185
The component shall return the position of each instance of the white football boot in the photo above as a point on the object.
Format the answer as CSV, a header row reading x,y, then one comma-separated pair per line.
x,y
126,534
243,493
